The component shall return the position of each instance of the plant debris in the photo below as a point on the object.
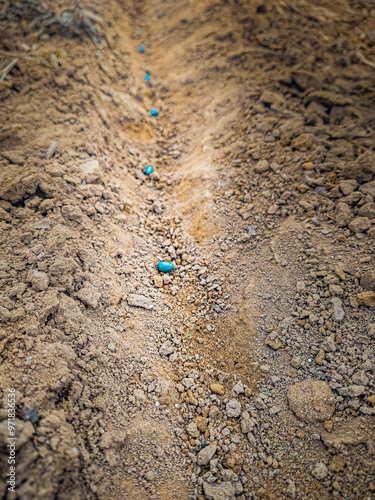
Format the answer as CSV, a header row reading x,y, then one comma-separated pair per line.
x,y
76,19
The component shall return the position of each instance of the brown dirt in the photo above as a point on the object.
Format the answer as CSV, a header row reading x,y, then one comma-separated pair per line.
x,y
266,123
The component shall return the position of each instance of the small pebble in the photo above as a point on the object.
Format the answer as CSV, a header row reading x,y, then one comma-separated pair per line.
x,y
251,230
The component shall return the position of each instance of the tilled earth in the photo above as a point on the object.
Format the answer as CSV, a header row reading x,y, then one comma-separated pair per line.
x,y
247,372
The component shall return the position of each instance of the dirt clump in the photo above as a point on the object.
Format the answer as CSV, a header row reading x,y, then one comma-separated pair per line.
x,y
311,400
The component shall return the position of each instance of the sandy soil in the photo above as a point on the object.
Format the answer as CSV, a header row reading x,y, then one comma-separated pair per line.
x,y
248,371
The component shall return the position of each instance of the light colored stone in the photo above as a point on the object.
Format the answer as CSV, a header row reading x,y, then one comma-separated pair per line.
x,y
360,378
247,423
338,311
261,167
238,388
343,214
348,186
139,394
39,280
188,382
233,408
272,210
192,430
166,349
205,455
135,300
359,225
320,471
150,476
72,212
329,344
89,295
90,166
223,491
291,489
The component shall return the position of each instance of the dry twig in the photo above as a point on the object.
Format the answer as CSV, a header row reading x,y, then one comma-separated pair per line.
x,y
364,59
76,19
35,58
8,69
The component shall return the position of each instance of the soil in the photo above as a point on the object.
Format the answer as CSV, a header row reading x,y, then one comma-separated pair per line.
x,y
248,371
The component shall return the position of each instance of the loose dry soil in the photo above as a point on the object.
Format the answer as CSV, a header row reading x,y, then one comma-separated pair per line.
x,y
248,372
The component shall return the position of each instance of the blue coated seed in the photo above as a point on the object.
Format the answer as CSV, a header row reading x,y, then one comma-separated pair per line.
x,y
139,32
149,169
147,77
165,266
142,49
154,112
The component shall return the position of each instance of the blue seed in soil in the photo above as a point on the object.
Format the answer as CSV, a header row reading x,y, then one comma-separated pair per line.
x,y
147,77
165,266
141,49
154,112
149,169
